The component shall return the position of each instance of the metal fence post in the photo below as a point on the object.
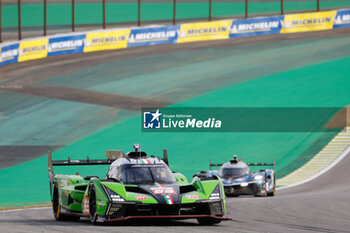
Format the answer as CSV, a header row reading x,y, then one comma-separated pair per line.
x,y
19,21
318,5
138,12
104,13
45,17
282,7
246,8
174,15
210,9
73,15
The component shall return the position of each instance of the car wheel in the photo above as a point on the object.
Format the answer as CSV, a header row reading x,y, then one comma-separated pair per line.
x,y
208,221
271,194
56,207
92,206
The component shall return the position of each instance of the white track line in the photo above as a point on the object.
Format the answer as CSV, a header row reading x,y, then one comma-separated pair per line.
x,y
335,162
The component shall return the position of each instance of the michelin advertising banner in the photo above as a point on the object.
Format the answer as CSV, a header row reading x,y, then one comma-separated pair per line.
x,y
342,19
9,54
204,31
97,41
153,36
66,45
34,49
191,32
256,26
317,21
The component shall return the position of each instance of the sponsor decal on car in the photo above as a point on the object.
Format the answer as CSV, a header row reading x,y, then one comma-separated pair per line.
x,y
101,218
192,197
162,190
139,197
145,161
86,205
169,199
102,203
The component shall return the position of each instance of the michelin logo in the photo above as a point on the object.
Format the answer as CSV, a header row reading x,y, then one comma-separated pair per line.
x,y
69,44
342,19
151,120
9,54
104,40
202,31
146,36
259,26
306,22
31,50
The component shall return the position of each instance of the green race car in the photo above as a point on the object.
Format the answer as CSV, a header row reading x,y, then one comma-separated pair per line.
x,y
135,187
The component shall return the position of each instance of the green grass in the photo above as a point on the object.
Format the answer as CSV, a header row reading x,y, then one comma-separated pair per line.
x,y
91,13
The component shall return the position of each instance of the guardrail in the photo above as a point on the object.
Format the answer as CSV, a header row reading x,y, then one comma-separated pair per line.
x,y
98,10
38,48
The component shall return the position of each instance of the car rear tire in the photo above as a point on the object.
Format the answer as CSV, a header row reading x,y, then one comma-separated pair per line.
x,y
208,221
272,194
56,207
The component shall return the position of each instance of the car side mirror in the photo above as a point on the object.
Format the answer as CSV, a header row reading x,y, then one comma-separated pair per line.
x,y
268,177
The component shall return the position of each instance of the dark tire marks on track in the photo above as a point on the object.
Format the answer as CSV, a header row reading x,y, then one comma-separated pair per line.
x,y
11,155
86,96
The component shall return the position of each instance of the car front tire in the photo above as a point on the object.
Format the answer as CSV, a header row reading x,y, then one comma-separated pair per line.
x,y
92,206
56,207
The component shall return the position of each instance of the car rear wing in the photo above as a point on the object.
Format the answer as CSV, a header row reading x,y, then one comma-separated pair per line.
x,y
263,164
112,155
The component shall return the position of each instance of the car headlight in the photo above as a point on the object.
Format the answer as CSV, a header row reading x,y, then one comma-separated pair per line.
x,y
113,196
258,177
216,194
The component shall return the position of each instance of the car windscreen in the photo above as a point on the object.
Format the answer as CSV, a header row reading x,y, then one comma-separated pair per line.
x,y
234,172
143,174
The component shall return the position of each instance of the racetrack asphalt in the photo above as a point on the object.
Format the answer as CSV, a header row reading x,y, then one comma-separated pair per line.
x,y
321,205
